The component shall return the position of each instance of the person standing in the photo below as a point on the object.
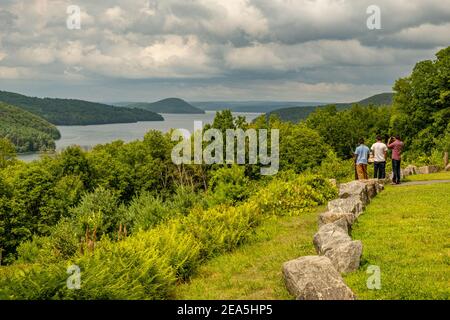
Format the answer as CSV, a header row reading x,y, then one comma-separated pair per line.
x,y
361,159
396,145
379,151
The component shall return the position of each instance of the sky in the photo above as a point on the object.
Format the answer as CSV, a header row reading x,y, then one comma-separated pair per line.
x,y
215,50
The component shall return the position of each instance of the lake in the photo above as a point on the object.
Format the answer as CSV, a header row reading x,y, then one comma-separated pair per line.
x,y
89,136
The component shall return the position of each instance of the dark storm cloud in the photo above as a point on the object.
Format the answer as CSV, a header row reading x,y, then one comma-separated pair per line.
x,y
211,49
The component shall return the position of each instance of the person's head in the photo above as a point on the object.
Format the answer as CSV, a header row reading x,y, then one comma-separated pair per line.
x,y
379,138
397,137
361,141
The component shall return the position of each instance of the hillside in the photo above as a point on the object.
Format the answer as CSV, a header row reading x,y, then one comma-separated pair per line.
x,y
77,112
298,113
385,98
170,105
250,106
25,130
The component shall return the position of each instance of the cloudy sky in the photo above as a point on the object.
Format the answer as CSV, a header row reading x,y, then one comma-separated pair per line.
x,y
145,50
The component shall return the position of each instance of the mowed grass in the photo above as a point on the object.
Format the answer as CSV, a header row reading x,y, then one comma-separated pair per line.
x,y
253,271
444,175
406,232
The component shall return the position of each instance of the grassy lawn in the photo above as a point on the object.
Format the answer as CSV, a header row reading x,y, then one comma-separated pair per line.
x,y
253,271
432,176
406,232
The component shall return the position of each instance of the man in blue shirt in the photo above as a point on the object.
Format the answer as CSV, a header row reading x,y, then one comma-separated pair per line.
x,y
361,159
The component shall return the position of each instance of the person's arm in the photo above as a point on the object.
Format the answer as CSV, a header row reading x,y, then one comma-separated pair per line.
x,y
391,143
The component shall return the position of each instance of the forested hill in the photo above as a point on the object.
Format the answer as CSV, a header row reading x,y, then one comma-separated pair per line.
x,y
77,112
25,130
296,114
381,99
170,105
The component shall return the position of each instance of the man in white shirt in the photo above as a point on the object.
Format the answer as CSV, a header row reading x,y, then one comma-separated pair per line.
x,y
379,151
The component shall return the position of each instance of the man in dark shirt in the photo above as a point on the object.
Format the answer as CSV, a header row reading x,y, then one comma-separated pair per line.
x,y
396,145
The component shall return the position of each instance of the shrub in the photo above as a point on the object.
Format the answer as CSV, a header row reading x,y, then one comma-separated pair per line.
x,y
122,270
184,199
180,248
222,228
97,212
228,185
145,212
36,249
147,264
293,197
335,168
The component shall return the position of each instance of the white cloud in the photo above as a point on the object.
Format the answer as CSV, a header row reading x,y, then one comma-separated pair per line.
x,y
219,42
15,73
426,35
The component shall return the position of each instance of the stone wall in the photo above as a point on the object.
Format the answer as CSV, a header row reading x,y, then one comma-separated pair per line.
x,y
319,277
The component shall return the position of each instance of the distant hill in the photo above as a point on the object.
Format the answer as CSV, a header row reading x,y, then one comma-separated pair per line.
x,y
25,130
77,112
296,114
385,98
170,105
250,106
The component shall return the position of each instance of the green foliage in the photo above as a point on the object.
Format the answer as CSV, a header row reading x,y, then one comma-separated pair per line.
x,y
228,186
75,163
222,228
422,103
342,129
26,131
297,114
77,112
122,270
147,263
97,212
7,153
333,167
145,212
293,197
38,249
301,148
185,198
181,248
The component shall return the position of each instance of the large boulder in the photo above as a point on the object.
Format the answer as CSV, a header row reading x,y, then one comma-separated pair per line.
x,y
345,256
330,217
352,204
330,236
427,169
354,189
315,278
374,186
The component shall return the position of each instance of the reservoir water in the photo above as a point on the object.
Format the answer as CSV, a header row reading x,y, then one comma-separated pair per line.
x,y
89,136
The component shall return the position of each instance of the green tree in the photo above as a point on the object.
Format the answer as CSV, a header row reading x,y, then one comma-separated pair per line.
x,y
422,103
7,152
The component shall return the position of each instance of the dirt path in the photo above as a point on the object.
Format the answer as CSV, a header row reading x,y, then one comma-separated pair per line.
x,y
416,183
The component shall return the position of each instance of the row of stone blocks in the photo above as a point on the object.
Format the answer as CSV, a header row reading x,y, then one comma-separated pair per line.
x,y
410,170
319,277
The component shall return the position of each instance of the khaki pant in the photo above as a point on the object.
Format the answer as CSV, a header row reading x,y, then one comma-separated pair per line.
x,y
361,170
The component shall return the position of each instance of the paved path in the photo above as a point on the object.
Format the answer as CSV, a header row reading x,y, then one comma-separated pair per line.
x,y
417,183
